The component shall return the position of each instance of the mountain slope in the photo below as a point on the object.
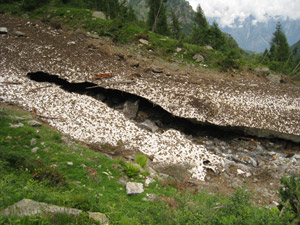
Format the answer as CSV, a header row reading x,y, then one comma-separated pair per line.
x,y
257,37
182,9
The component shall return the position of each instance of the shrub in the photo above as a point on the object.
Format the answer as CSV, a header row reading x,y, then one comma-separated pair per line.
x,y
47,173
290,197
141,160
30,5
131,170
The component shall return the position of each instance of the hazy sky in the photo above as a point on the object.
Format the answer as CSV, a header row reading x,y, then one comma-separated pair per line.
x,y
228,11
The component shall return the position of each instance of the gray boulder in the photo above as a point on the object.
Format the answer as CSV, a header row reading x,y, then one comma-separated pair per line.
x,y
156,69
3,30
28,207
198,58
149,125
262,70
20,34
144,42
131,108
99,14
274,78
133,188
208,47
34,123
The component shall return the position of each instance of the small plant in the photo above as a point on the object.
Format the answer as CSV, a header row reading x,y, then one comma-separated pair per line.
x,y
141,160
290,197
48,173
131,170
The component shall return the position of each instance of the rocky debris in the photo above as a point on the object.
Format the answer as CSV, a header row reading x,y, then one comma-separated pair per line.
x,y
173,67
274,78
34,123
100,217
16,125
34,150
93,36
67,141
122,181
148,181
262,70
208,47
20,34
28,207
144,42
152,172
134,63
3,30
150,197
99,14
198,58
133,188
131,108
157,69
17,118
149,125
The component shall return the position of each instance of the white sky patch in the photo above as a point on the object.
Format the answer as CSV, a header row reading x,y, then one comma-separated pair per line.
x,y
229,11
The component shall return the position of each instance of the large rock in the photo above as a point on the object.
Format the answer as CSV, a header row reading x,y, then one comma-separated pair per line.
x,y
131,108
28,207
34,123
149,125
99,14
133,188
262,70
198,58
20,34
3,30
144,42
274,78
208,47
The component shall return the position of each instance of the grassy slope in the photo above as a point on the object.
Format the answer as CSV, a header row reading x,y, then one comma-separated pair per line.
x,y
46,176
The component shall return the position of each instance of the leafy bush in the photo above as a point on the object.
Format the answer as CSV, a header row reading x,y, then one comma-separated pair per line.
x,y
47,173
131,170
141,160
29,5
290,197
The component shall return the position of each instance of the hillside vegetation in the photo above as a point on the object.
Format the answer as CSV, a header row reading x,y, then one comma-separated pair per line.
x,y
40,164
170,41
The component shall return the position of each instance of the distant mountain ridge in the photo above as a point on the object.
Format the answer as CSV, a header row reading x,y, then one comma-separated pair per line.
x,y
250,37
258,37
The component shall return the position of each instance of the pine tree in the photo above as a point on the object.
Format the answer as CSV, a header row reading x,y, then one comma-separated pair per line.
x,y
200,31
217,39
200,18
279,50
175,26
157,17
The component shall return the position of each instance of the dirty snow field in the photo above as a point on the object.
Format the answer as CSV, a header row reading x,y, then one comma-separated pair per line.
x,y
88,120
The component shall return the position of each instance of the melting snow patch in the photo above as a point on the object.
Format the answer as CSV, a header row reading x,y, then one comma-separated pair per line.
x,y
91,121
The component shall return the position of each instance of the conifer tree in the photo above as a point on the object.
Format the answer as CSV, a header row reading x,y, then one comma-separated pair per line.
x,y
217,39
200,30
175,25
279,50
200,18
157,17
